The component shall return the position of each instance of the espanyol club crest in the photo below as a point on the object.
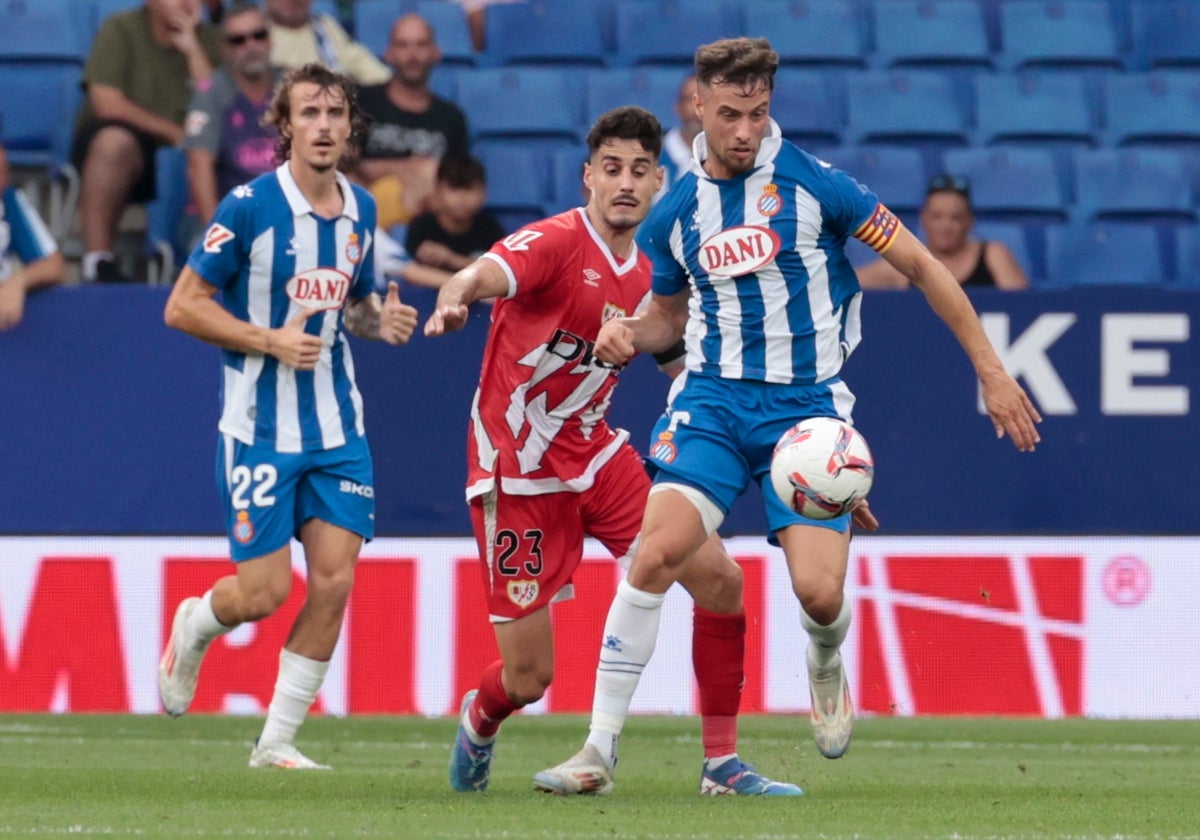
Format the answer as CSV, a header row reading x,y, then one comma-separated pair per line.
x,y
769,203
243,529
664,448
522,592
353,249
319,288
738,251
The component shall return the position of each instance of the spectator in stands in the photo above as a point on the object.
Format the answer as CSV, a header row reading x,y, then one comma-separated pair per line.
x,y
456,231
412,128
477,19
298,37
227,143
946,219
677,142
23,233
139,79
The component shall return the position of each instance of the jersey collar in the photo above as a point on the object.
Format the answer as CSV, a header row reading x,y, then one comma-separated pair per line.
x,y
301,206
772,142
619,268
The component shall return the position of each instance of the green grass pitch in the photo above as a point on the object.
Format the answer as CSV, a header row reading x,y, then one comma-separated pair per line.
x,y
143,776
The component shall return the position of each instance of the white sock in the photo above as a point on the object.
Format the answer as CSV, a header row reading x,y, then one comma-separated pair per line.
x,y
824,640
630,633
202,625
88,263
296,688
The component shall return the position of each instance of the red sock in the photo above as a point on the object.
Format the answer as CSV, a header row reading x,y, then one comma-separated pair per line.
x,y
718,651
491,706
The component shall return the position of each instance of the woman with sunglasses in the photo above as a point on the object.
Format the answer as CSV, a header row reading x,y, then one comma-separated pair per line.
x,y
946,220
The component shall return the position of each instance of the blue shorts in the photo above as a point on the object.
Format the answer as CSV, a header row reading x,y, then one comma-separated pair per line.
x,y
718,434
268,495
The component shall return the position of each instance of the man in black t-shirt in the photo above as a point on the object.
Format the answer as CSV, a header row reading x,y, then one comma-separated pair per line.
x,y
412,128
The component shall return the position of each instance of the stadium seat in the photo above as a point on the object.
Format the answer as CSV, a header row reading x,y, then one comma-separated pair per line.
x,y
1010,183
1012,236
1059,33
45,30
653,88
1103,253
165,213
518,176
520,102
667,32
38,102
373,20
1034,107
906,106
808,106
1165,33
1163,106
1132,183
1187,256
894,173
567,175
811,32
449,21
543,32
948,33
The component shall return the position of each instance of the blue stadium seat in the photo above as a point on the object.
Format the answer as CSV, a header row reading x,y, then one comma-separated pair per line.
x,y
930,33
327,7
38,102
1187,256
165,213
894,173
518,176
906,106
1163,106
1034,107
373,21
669,31
543,32
1165,33
1104,253
45,30
808,106
820,32
1012,236
1010,183
449,21
567,177
1132,183
653,88
520,102
1059,33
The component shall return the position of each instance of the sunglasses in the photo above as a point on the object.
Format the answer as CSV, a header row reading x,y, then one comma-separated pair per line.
x,y
949,183
238,40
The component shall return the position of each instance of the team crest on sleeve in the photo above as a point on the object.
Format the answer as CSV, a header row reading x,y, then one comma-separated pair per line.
x,y
216,236
319,288
770,203
879,230
522,592
243,528
353,248
664,448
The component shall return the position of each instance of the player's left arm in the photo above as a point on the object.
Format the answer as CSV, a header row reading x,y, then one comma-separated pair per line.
x,y
1007,404
387,320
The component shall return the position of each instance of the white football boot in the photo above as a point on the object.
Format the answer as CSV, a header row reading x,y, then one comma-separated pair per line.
x,y
179,667
584,773
282,757
832,709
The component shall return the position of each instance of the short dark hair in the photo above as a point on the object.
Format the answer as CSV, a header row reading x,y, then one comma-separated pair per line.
x,y
280,111
628,122
745,63
461,172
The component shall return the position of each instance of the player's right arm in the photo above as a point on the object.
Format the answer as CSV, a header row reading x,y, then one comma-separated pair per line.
x,y
192,308
659,326
483,278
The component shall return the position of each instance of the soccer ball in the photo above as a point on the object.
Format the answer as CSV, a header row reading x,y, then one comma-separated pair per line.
x,y
821,467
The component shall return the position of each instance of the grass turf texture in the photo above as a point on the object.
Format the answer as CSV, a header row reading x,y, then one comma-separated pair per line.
x,y
961,778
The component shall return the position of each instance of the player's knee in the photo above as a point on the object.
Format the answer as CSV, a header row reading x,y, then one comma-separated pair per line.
x,y
821,600
331,588
263,600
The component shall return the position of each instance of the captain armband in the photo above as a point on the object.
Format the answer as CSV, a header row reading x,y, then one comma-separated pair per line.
x,y
879,231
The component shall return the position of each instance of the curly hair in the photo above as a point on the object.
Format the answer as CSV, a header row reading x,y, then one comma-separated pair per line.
x,y
745,63
629,122
280,112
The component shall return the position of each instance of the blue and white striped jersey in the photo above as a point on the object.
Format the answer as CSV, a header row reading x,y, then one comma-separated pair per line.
x,y
22,232
272,256
774,298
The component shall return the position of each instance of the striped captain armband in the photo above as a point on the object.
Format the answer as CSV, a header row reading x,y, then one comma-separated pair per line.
x,y
879,231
